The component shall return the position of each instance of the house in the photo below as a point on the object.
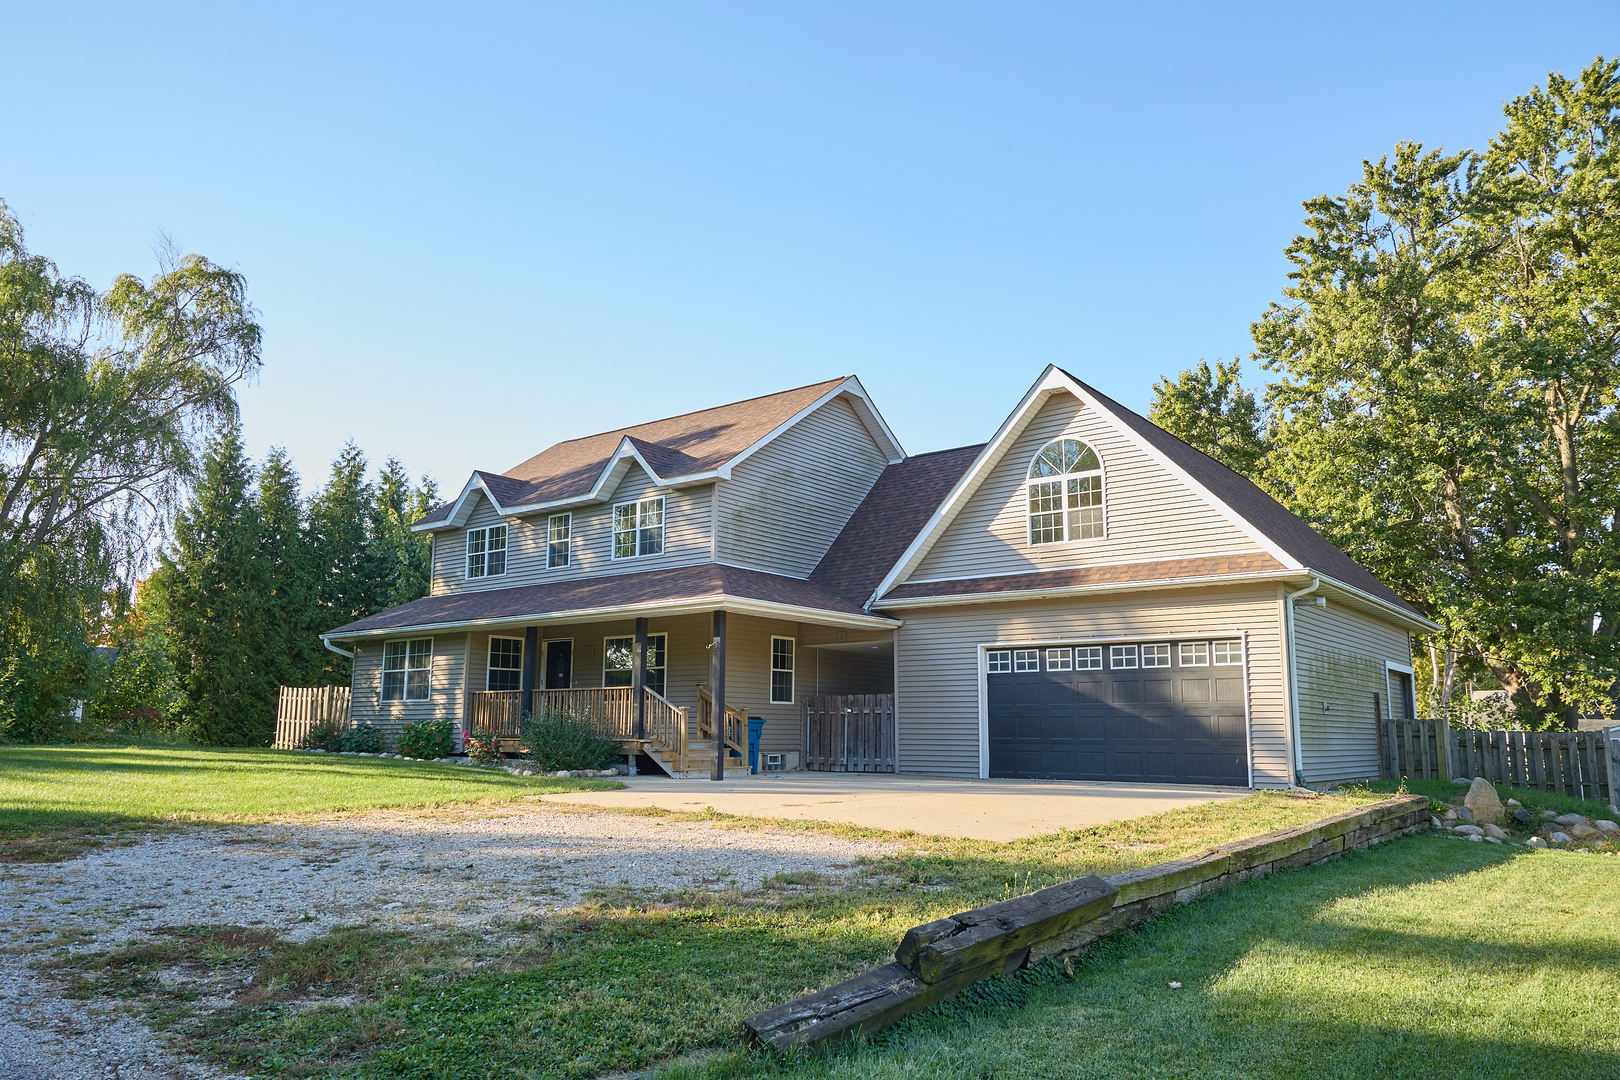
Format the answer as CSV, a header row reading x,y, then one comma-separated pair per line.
x,y
1082,597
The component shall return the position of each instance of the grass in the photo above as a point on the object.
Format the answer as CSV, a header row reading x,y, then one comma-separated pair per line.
x,y
1534,801
627,980
56,800
1425,958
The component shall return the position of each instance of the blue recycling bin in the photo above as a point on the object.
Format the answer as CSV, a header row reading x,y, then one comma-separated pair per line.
x,y
756,725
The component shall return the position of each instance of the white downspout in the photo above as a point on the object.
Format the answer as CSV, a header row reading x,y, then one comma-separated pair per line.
x,y
341,652
1293,680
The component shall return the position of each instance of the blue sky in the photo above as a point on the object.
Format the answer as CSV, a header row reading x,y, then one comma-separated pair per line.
x,y
474,231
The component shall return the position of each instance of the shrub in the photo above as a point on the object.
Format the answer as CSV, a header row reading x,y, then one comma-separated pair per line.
x,y
484,747
426,739
562,740
140,691
362,739
325,735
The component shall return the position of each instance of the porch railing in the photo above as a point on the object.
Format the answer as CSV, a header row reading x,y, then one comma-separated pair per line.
x,y
736,722
610,709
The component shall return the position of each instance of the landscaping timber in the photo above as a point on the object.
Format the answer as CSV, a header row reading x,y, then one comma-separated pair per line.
x,y
939,959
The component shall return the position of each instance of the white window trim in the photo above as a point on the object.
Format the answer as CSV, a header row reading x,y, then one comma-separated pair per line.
x,y
568,545
663,529
506,550
1102,476
792,670
382,674
618,637
488,651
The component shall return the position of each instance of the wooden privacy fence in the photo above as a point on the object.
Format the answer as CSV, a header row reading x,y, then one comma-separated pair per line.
x,y
849,733
300,708
1581,764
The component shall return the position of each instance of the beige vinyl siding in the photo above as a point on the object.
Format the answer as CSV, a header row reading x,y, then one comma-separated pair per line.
x,y
688,519
748,661
937,696
1341,655
447,688
1151,513
785,504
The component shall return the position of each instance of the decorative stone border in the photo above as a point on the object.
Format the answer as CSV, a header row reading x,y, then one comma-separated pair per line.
x,y
937,960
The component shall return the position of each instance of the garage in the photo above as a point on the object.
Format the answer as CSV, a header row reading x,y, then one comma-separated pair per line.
x,y
1146,711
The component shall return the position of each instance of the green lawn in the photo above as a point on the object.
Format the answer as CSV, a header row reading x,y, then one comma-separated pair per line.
x,y
54,799
1426,958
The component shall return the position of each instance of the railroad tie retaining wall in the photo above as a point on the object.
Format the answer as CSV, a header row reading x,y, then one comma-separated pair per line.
x,y
937,960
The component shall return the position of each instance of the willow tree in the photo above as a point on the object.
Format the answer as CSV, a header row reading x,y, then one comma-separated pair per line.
x,y
106,399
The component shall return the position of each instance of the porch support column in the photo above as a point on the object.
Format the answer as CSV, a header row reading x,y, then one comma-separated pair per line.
x,y
638,682
717,683
531,645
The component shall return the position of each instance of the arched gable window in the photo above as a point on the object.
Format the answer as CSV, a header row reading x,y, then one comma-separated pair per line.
x,y
1065,493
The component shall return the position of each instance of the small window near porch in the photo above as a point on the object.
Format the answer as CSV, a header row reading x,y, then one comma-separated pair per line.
x,y
619,657
406,669
781,671
505,664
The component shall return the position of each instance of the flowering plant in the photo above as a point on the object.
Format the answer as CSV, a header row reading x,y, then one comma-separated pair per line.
x,y
483,747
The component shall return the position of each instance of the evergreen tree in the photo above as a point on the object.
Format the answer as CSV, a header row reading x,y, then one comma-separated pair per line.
x,y
293,653
348,575
214,583
404,556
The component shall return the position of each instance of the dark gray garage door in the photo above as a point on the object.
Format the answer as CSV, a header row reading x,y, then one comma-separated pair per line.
x,y
1168,712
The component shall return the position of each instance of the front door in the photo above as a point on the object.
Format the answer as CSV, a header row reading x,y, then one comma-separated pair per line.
x,y
559,665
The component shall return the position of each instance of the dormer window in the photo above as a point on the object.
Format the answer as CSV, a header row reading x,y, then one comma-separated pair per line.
x,y
1065,494
486,552
638,528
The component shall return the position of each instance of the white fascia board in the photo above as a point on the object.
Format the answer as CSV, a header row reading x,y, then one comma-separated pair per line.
x,y
1010,429
1070,591
461,508
1243,524
737,604
1393,612
864,409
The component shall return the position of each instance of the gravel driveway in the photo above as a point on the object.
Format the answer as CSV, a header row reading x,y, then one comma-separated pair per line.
x,y
453,868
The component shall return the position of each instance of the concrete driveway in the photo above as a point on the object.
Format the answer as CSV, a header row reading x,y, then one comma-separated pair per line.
x,y
935,806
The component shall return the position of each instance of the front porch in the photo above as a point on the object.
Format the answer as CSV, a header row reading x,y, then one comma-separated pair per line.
x,y
661,712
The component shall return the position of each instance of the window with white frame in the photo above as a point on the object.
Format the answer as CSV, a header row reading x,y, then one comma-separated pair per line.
x,y
486,552
1088,658
1155,656
999,661
1228,653
1195,654
638,528
782,670
1026,659
1059,660
407,667
1122,656
1065,492
559,530
505,664
619,658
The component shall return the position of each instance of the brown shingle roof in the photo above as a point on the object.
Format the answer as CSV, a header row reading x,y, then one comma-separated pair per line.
x,y
1268,515
1214,566
690,443
905,496
681,584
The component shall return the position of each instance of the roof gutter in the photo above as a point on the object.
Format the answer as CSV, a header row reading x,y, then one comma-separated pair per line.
x,y
740,605
341,652
1063,591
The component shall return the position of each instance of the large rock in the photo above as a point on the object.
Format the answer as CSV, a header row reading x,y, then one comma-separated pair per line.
x,y
1495,832
1567,820
1561,838
1584,831
1535,842
1607,826
1483,803
1468,830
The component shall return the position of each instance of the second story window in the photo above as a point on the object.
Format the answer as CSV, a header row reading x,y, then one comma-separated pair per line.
x,y
559,530
638,528
486,552
1065,494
